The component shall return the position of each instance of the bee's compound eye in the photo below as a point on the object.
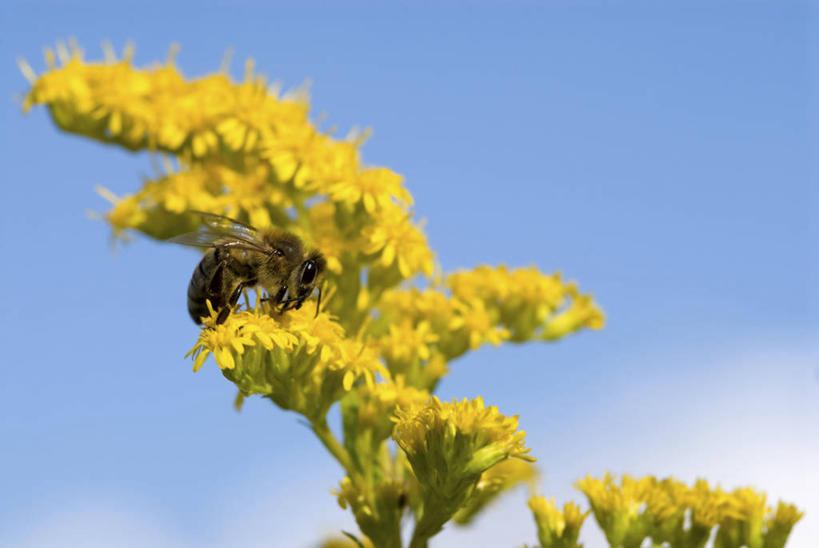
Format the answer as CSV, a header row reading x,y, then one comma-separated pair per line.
x,y
309,272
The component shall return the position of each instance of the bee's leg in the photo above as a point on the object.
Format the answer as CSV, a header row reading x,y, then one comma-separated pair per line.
x,y
232,300
318,302
281,295
288,304
278,298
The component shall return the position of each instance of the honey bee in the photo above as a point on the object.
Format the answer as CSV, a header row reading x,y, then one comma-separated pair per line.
x,y
238,257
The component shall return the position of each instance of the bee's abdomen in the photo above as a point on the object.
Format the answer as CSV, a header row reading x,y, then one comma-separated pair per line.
x,y
202,287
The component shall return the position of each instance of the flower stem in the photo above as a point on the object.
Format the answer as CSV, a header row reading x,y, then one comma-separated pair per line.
x,y
433,517
333,445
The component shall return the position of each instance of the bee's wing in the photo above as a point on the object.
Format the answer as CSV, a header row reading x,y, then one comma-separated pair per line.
x,y
226,225
206,238
231,229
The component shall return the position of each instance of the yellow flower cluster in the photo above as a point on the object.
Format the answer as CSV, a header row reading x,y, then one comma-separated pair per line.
x,y
159,109
419,331
557,528
367,411
450,446
669,511
377,509
302,363
159,208
244,152
527,303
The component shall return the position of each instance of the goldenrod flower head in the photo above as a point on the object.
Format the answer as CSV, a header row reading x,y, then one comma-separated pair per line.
x,y
501,478
528,303
250,154
616,508
459,325
326,236
126,213
405,344
227,341
449,445
399,242
379,401
668,511
157,108
377,511
301,362
778,526
556,528
477,324
710,506
417,305
745,527
665,509
374,188
581,313
160,209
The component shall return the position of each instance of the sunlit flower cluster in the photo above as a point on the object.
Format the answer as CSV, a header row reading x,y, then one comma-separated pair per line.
x,y
302,363
449,446
557,528
669,511
527,303
486,305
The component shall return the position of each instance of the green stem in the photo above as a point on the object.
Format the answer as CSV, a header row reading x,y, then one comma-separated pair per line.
x,y
333,445
435,515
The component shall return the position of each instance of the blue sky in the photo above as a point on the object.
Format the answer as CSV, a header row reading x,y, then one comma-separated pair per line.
x,y
663,157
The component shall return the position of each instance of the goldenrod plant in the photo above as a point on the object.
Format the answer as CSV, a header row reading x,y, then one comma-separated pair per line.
x,y
635,511
390,324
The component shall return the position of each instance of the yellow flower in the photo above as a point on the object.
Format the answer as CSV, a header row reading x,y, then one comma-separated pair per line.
x,y
778,526
449,446
617,508
377,512
582,312
377,402
374,188
462,438
399,243
416,305
647,507
709,506
477,325
407,343
300,362
527,303
227,341
745,528
160,209
325,235
458,325
157,108
555,528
